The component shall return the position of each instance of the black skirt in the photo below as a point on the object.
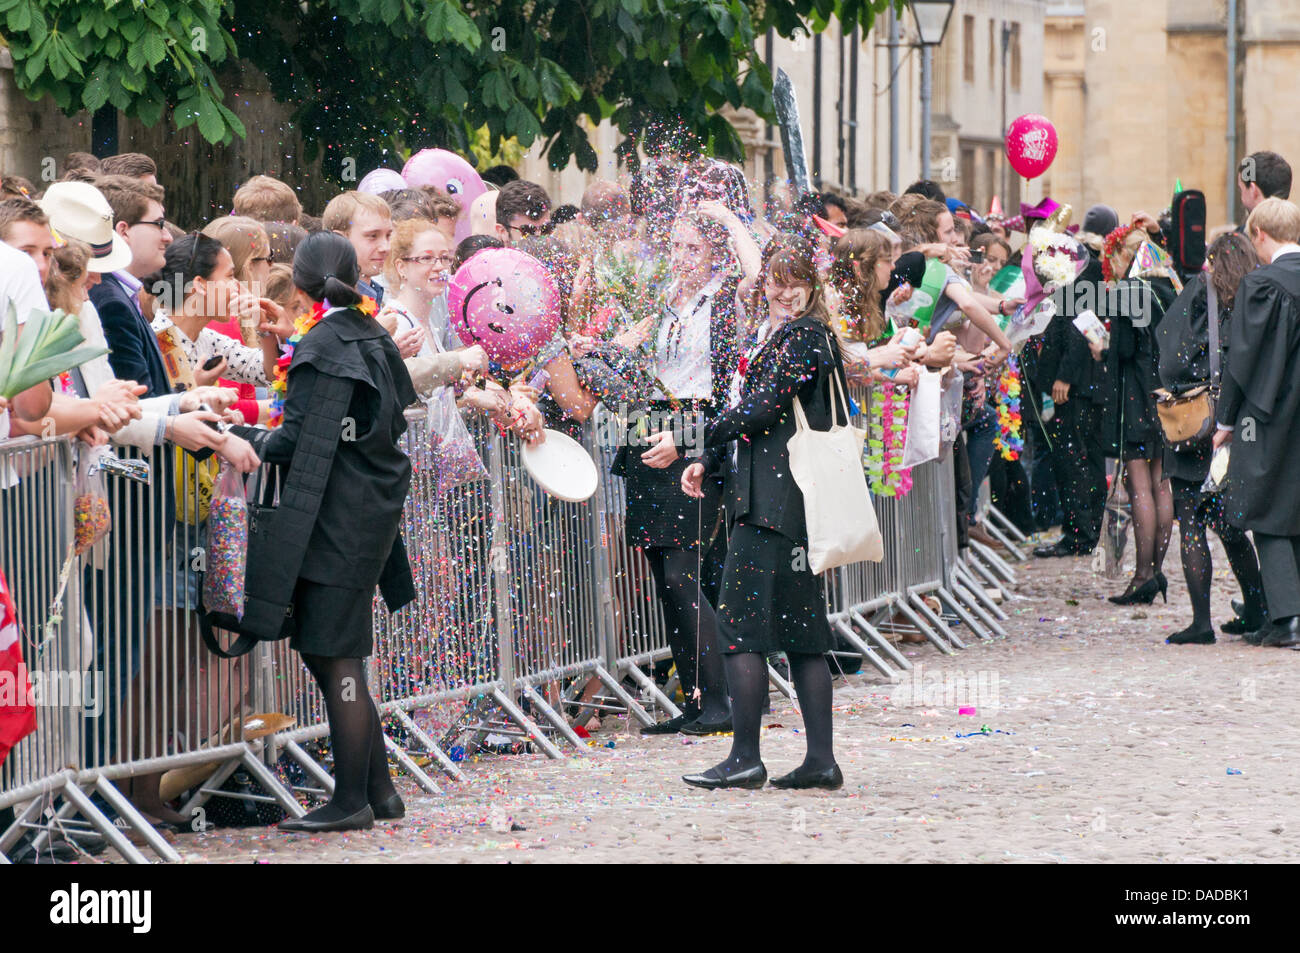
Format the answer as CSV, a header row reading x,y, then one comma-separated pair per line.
x,y
770,599
332,621
658,512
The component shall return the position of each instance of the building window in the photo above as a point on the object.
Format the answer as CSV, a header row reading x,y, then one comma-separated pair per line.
x,y
966,186
993,54
1015,56
988,188
968,49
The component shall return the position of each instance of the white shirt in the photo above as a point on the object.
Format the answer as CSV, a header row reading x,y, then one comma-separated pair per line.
x,y
20,285
244,365
1290,248
683,351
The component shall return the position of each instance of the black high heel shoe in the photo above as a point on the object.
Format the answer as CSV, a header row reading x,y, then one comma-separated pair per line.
x,y
1142,595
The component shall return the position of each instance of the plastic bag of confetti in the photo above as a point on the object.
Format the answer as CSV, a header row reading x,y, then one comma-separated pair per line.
x,y
227,555
91,517
454,454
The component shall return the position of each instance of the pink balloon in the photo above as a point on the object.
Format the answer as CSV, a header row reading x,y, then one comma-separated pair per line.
x,y
450,173
505,301
1031,145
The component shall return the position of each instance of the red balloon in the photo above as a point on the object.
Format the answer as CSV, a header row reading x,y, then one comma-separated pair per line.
x,y
1031,145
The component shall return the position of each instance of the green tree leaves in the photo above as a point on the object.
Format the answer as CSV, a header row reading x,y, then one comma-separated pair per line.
x,y
376,79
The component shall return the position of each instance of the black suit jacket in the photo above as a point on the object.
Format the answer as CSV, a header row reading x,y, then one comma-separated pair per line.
x,y
133,347
799,359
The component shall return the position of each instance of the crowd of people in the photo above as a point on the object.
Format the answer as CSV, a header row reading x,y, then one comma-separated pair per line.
x,y
254,335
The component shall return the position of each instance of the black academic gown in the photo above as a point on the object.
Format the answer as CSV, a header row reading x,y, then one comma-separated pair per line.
x,y
351,523
1135,307
1261,400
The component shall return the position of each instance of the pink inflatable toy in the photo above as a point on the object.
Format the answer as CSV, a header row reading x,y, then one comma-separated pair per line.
x,y
505,301
450,173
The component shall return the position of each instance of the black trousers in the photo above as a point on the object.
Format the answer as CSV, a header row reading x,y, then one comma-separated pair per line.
x,y
1279,564
962,486
1080,465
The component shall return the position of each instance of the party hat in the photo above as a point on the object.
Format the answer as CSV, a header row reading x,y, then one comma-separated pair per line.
x,y
995,208
1152,261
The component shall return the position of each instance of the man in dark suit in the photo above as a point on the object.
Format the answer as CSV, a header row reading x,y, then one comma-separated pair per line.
x,y
1259,413
1076,388
138,216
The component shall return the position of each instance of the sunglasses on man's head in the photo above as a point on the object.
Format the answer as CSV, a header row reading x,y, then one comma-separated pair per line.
x,y
532,230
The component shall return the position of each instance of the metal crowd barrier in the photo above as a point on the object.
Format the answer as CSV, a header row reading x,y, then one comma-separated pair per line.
x,y
526,606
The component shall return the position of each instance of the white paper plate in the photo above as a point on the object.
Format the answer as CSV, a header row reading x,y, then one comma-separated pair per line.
x,y
561,467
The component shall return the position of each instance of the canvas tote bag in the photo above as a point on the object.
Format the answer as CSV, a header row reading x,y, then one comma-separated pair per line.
x,y
827,466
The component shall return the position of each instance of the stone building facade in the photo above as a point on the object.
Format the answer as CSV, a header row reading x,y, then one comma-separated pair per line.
x,y
1139,93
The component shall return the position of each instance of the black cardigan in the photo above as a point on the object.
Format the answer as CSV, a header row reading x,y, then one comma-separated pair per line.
x,y
799,359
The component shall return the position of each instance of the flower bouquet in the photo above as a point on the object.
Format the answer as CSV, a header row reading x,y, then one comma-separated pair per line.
x,y
1051,260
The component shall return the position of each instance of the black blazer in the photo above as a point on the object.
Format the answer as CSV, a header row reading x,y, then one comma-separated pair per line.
x,y
133,350
759,489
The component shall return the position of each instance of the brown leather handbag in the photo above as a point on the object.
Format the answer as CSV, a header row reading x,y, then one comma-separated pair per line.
x,y
1188,418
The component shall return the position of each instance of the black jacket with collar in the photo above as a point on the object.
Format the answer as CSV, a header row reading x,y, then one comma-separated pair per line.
x,y
353,540
799,359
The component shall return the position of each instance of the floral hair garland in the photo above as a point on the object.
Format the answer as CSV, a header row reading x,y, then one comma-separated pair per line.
x,y
1113,243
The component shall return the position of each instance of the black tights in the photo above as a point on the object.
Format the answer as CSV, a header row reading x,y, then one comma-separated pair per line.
x,y
360,759
692,631
1153,515
1193,521
747,679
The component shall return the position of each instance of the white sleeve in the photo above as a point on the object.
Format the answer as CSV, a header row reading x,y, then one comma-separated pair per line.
x,y
23,287
243,364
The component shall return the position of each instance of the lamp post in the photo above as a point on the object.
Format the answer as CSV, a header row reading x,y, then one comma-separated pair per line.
x,y
931,18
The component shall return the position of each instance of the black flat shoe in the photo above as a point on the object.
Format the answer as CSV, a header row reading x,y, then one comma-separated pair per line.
x,y
1257,637
362,820
1060,548
751,778
390,808
1190,636
831,779
670,727
1284,634
707,728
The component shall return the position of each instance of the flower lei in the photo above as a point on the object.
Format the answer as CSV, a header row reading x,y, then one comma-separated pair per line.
x,y
301,325
886,436
1009,440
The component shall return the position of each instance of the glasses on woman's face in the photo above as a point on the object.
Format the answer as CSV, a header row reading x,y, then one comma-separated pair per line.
x,y
444,260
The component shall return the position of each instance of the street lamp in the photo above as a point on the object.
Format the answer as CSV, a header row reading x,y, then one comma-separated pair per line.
x,y
932,18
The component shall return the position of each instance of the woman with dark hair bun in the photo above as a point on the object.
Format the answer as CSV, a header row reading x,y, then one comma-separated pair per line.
x,y
340,419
